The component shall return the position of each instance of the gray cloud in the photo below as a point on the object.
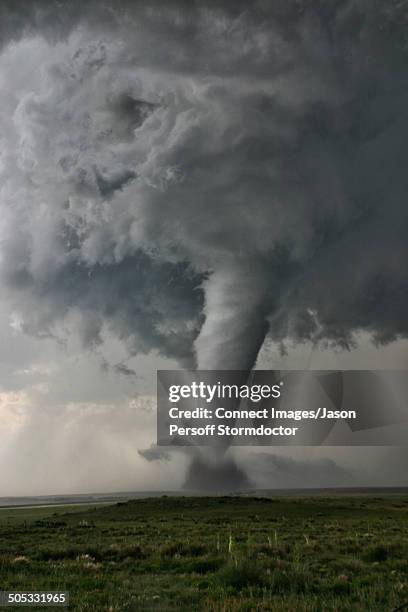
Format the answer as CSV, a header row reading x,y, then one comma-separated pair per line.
x,y
122,368
154,453
165,166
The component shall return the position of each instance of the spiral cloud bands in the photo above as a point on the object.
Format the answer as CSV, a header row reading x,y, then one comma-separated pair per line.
x,y
196,175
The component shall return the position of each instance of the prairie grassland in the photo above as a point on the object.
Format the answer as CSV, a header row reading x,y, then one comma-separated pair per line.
x,y
214,553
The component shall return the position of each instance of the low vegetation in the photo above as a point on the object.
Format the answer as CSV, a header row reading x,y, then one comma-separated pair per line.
x,y
214,553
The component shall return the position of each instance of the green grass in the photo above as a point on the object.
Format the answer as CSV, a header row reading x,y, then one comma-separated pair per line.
x,y
221,554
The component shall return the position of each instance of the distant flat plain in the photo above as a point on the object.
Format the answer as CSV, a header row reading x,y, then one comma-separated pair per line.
x,y
92,498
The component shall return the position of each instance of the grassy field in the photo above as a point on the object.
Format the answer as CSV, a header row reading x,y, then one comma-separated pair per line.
x,y
225,553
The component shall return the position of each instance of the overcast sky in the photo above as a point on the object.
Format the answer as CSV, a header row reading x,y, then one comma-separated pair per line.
x,y
71,424
193,184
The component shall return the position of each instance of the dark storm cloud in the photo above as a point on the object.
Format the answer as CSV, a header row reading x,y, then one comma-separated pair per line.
x,y
124,370
191,173
149,304
154,453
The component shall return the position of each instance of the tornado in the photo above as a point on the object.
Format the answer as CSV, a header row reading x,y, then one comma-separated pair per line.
x,y
235,324
196,177
234,329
